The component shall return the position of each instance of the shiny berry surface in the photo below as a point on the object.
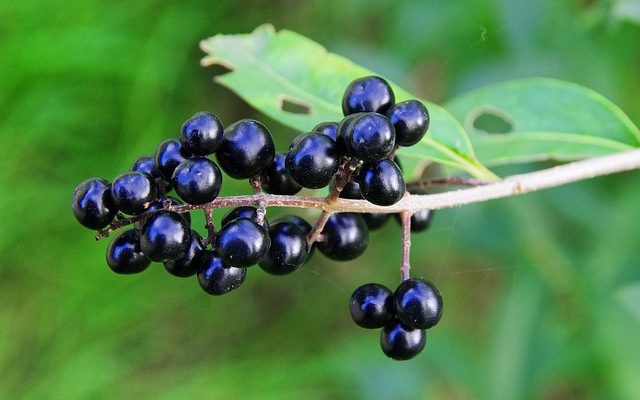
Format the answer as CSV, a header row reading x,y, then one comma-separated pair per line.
x,y
370,137
124,255
246,149
217,278
341,132
201,134
187,265
242,212
326,128
147,165
411,121
313,160
276,178
197,180
168,155
92,203
288,250
242,242
371,306
296,220
346,237
165,236
381,182
133,192
375,221
367,94
159,203
418,303
400,342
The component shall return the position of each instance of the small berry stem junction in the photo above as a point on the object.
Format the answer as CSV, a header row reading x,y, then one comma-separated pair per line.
x,y
510,186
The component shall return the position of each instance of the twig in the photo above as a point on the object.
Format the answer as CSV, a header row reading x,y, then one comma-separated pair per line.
x,y
448,181
211,229
406,245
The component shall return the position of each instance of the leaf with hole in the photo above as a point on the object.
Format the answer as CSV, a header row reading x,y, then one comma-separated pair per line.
x,y
297,82
540,119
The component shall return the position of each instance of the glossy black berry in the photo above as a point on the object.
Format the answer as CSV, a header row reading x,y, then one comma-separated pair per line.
x,y
294,219
375,221
133,192
277,180
242,242
124,255
367,94
370,137
411,120
246,149
313,160
168,155
165,236
288,250
381,182
197,180
92,203
400,342
217,278
201,134
418,303
159,203
242,212
147,165
346,237
187,265
341,132
371,306
351,191
326,128
420,220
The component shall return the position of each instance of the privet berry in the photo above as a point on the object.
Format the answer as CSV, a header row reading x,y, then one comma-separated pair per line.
x,y
217,278
312,160
371,306
124,255
201,134
411,120
246,149
401,342
92,203
381,182
370,137
276,178
133,191
346,237
197,180
188,264
326,128
418,303
368,94
165,236
288,250
168,155
242,242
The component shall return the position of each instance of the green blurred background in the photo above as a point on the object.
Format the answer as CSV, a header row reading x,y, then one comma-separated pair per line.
x,y
542,292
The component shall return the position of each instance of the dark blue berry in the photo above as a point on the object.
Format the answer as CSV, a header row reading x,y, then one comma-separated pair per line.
x,y
147,165
168,155
124,255
197,180
92,203
367,94
418,303
400,342
133,192
346,237
246,149
277,179
159,203
372,306
351,191
242,242
201,134
165,236
187,265
411,120
326,128
381,182
341,132
217,278
294,219
288,250
242,212
313,160
370,137
375,221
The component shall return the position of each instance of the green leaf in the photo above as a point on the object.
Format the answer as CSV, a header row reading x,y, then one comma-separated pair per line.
x,y
276,71
540,119
629,297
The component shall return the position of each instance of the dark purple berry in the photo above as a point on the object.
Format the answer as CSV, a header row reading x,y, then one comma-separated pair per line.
x,y
346,237
168,155
372,306
371,137
217,278
92,203
400,342
277,179
381,182
294,219
326,128
313,160
411,120
197,180
165,236
246,149
242,242
187,265
147,165
341,132
418,303
133,192
124,255
288,250
201,134
367,94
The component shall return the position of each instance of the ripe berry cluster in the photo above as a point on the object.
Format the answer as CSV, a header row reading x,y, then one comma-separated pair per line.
x,y
354,157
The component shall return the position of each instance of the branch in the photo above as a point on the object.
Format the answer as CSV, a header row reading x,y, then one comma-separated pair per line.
x,y
510,186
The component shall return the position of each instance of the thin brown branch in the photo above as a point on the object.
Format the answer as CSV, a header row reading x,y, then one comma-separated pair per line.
x,y
405,267
423,184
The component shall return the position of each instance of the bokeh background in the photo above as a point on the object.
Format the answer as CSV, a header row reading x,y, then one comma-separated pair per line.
x,y
542,292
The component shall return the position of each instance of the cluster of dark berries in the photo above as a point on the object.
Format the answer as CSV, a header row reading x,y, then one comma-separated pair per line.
x,y
354,157
404,315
